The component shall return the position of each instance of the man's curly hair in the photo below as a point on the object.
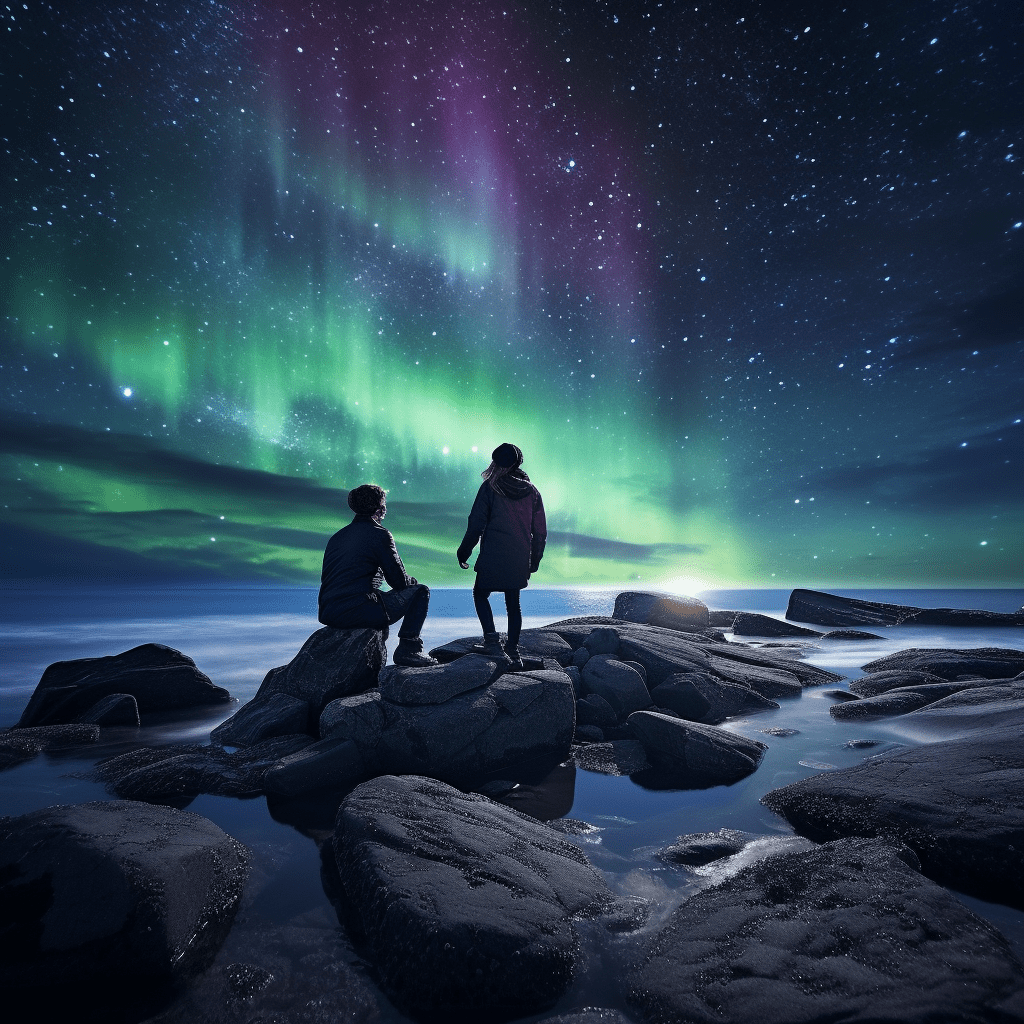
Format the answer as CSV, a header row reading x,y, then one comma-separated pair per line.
x,y
366,499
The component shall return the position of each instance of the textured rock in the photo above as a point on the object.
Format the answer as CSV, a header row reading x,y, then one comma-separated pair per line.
x,y
533,643
106,899
850,634
700,697
755,624
880,682
20,745
435,684
332,663
621,686
704,847
158,677
722,619
334,763
958,804
466,905
973,710
602,640
682,613
690,748
359,718
615,757
274,714
595,710
904,699
849,931
831,610
984,662
589,1015
115,709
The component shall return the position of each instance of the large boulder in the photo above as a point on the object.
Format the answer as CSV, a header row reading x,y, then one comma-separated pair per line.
x,y
682,613
107,902
466,905
831,610
692,749
902,700
971,710
274,714
434,684
959,804
158,677
620,685
700,697
849,931
755,624
951,663
534,644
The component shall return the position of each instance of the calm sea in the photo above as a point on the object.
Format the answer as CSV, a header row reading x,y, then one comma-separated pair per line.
x,y
235,635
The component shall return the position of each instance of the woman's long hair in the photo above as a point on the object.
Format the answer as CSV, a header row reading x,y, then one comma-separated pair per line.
x,y
493,473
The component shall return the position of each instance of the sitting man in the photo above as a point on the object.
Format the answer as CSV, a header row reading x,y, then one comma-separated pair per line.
x,y
359,557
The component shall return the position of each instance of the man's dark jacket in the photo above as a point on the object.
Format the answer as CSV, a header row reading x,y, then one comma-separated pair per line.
x,y
358,559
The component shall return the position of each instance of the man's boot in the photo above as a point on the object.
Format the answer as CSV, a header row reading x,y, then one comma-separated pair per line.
x,y
491,648
409,653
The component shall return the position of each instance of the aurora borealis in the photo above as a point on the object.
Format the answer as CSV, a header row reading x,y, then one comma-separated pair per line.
x,y
745,281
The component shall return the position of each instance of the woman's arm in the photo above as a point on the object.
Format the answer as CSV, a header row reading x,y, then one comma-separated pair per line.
x,y
479,517
539,533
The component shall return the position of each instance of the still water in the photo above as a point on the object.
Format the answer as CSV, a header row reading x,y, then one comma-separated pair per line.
x,y
236,635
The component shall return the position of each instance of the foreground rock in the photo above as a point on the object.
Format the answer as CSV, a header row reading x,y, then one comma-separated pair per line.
x,y
466,906
849,931
958,804
331,664
108,903
830,610
159,678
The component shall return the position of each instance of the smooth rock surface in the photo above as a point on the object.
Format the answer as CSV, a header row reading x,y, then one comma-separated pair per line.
x,y
831,610
533,643
973,710
114,709
112,896
904,699
595,710
701,750
274,714
682,613
466,905
959,804
359,718
700,697
704,847
846,932
435,684
158,677
755,624
875,683
850,634
334,763
950,663
621,686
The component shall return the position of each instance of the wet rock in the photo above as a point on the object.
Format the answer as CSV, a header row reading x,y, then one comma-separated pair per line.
x,y
682,613
850,634
843,932
861,744
158,677
621,686
275,714
831,610
699,697
595,710
115,709
755,624
334,763
435,684
689,747
722,619
983,662
602,640
20,745
875,683
704,847
902,700
165,774
615,757
973,710
840,695
332,663
589,1015
959,804
779,731
107,902
466,905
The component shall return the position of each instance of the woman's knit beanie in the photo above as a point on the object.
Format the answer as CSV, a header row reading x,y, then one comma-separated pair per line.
x,y
508,456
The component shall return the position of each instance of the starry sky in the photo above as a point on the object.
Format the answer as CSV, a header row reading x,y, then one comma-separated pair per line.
x,y
745,281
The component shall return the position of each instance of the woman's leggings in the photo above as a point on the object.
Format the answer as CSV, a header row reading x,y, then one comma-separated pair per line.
x,y
515,615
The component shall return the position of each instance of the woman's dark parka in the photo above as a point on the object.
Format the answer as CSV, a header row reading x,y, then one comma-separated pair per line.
x,y
509,523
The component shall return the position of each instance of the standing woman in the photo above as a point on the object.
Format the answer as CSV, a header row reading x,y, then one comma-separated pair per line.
x,y
508,520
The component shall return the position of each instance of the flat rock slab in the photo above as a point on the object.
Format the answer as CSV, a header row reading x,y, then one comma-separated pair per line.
x,y
846,932
959,804
755,624
110,897
466,905
951,663
435,684
538,643
832,610
19,745
158,677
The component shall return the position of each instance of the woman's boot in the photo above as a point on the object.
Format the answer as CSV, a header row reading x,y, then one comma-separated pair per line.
x,y
491,648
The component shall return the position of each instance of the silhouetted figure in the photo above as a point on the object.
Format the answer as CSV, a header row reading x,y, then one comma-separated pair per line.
x,y
508,520
361,556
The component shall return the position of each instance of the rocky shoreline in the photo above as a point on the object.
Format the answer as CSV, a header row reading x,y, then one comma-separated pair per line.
x,y
467,908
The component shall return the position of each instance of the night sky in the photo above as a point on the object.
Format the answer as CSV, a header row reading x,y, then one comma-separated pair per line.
x,y
745,281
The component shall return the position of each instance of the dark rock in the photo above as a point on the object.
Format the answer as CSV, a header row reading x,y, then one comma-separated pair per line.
x,y
436,683
104,900
115,709
595,710
861,744
722,620
682,613
466,905
17,745
334,763
332,663
576,678
704,847
904,699
602,640
830,610
639,668
840,695
615,757
580,657
958,804
587,734
589,1015
880,682
275,714
158,677
755,624
162,774
246,980
535,643
973,710
359,718
849,931
701,750
850,634
779,731
699,697
621,686
979,662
